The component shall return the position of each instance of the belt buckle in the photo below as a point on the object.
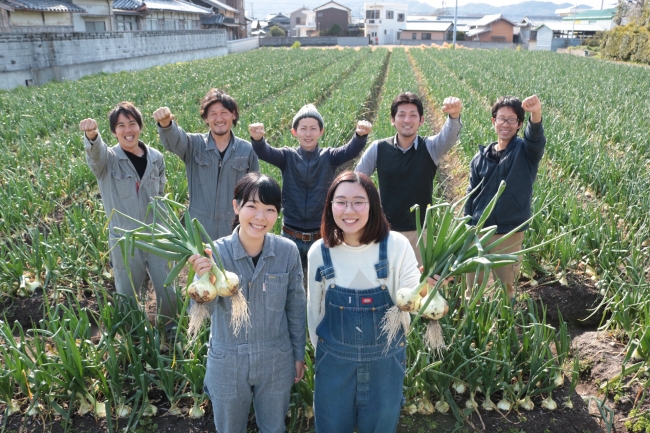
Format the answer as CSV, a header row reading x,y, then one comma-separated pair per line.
x,y
306,237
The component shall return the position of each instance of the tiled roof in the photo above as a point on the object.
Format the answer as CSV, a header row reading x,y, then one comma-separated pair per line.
x,y
127,5
176,5
44,5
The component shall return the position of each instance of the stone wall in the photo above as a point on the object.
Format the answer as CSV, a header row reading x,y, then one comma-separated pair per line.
x,y
33,59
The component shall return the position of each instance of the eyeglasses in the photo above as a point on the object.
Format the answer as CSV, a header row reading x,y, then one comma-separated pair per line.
x,y
510,121
357,205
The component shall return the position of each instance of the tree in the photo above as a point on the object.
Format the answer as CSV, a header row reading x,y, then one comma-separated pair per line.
x,y
277,32
335,30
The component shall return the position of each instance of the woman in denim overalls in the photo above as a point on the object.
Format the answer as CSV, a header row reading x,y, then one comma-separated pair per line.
x,y
354,274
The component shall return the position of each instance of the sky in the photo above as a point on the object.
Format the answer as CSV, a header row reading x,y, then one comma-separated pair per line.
x,y
260,8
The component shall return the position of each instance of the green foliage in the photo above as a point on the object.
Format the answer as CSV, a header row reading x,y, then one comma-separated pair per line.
x,y
277,32
295,45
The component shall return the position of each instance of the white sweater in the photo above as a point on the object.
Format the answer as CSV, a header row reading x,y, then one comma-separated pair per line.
x,y
354,268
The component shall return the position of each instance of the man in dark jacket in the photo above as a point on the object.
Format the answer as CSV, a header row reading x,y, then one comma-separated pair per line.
x,y
515,161
307,172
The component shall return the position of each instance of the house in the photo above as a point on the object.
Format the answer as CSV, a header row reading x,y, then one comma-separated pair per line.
x,y
302,22
425,32
383,22
602,18
239,19
332,13
554,35
491,28
222,17
37,16
158,14
280,20
524,30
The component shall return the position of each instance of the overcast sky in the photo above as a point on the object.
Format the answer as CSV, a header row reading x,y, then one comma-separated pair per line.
x,y
260,8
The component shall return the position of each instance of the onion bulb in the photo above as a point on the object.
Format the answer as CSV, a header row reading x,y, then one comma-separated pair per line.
x,y
12,407
123,411
411,409
149,410
408,300
568,403
196,411
425,407
437,308
527,403
504,405
488,404
442,406
459,387
549,403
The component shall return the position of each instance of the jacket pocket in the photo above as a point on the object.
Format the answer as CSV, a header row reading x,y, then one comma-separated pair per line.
x,y
275,291
221,374
509,210
124,184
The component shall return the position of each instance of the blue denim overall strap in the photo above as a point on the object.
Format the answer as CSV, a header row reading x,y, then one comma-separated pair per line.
x,y
351,328
326,272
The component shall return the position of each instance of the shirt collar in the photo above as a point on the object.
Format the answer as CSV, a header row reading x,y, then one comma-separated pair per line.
x,y
238,251
414,144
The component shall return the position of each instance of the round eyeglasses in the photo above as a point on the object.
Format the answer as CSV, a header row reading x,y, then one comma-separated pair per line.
x,y
357,205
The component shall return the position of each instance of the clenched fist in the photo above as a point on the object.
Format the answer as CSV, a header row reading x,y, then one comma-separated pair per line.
x,y
452,107
163,116
89,127
364,127
256,131
533,105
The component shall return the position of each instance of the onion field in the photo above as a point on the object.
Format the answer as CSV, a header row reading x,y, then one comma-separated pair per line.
x,y
81,354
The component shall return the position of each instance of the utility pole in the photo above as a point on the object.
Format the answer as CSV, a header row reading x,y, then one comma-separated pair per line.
x,y
453,45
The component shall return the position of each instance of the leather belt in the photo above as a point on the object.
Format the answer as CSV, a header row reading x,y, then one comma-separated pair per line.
x,y
305,237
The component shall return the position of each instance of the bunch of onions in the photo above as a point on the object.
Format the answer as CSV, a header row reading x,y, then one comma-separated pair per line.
x,y
167,238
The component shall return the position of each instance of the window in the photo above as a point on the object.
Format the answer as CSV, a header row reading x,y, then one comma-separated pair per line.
x,y
320,14
372,15
95,26
385,32
400,17
390,15
126,23
414,35
426,36
399,35
298,20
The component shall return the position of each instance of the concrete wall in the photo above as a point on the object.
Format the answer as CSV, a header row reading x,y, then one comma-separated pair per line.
x,y
321,41
408,36
466,44
349,41
241,45
39,58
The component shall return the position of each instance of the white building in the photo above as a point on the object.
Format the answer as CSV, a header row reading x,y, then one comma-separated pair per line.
x,y
303,22
383,22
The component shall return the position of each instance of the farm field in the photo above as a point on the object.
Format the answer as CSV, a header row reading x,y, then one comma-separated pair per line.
x,y
580,325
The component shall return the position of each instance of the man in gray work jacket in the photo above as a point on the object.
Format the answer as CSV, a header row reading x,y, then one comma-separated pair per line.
x,y
214,161
129,175
406,163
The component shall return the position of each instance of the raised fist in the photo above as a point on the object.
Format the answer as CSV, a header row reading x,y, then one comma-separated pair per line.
x,y
256,131
452,107
163,116
364,127
89,127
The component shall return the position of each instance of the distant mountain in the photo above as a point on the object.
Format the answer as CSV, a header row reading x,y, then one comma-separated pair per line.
x,y
513,12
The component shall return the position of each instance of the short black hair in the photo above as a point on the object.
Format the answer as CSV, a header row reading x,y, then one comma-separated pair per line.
x,y
215,95
126,108
512,102
406,98
265,187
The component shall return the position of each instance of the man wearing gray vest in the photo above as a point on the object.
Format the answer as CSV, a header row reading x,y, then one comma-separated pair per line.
x,y
406,163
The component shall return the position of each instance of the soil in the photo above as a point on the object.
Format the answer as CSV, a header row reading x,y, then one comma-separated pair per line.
x,y
601,356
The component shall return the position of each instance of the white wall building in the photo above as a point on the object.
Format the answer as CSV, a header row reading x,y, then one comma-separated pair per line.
x,y
303,22
383,22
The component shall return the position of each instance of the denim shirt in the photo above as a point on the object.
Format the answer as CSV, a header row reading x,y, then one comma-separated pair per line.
x,y
119,184
274,290
210,179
